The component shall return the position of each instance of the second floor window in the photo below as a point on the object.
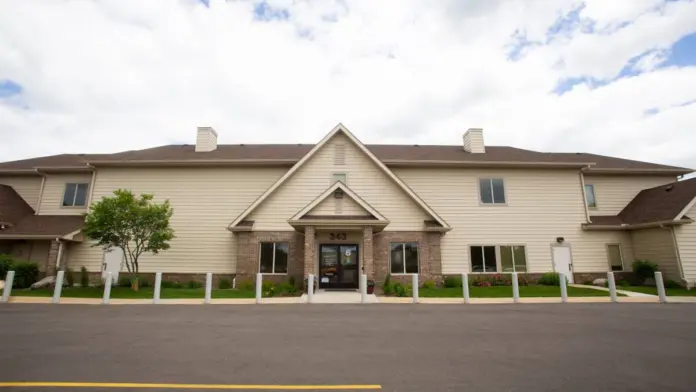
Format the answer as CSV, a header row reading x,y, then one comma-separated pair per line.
x,y
492,190
590,196
75,194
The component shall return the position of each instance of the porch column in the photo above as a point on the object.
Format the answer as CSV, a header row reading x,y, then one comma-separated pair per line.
x,y
310,250
54,252
368,254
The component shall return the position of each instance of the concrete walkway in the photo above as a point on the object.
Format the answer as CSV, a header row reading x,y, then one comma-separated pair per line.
x,y
339,297
624,292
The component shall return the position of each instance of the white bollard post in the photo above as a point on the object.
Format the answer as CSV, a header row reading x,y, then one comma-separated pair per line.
x,y
59,287
660,287
310,288
363,288
515,288
564,287
158,288
465,287
9,280
415,288
612,286
208,287
107,288
259,284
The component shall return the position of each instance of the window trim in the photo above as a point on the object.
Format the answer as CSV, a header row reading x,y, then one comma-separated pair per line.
x,y
498,259
403,251
340,173
594,196
274,258
621,255
77,184
493,203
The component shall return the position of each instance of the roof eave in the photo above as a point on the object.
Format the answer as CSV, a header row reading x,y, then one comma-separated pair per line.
x,y
195,162
590,227
671,171
510,164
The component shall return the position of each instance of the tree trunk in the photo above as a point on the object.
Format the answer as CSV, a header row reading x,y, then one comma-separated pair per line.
x,y
135,283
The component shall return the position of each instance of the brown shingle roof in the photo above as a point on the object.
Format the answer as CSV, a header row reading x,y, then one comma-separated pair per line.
x,y
45,225
291,153
12,207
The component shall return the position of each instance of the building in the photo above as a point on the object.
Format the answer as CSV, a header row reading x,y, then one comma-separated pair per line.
x,y
340,207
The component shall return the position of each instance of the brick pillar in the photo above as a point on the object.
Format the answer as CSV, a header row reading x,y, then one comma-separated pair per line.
x,y
434,257
309,251
368,253
53,251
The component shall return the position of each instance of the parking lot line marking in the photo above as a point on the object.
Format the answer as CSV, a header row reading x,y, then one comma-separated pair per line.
x,y
186,386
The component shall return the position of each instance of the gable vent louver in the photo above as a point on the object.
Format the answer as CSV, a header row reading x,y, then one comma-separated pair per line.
x,y
340,154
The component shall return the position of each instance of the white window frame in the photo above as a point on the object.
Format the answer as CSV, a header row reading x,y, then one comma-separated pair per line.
x,y
74,196
334,180
275,243
403,252
594,196
490,183
621,256
498,259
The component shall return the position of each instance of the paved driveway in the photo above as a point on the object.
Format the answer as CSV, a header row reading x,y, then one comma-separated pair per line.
x,y
572,347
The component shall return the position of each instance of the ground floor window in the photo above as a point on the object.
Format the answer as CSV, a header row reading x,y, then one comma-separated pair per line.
x,y
403,258
615,257
274,258
498,258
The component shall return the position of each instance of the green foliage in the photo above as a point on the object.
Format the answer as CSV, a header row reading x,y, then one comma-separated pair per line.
x,y
136,225
550,279
286,288
587,283
84,277
124,281
492,280
644,269
167,284
453,281
429,284
142,282
6,263
70,277
623,283
268,289
672,284
246,285
192,284
388,287
291,281
522,280
26,274
403,290
224,284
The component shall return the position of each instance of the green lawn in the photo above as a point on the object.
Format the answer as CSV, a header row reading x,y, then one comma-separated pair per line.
x,y
143,293
653,291
506,292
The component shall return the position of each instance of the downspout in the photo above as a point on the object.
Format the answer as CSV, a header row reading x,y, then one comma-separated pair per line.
x,y
676,252
41,191
91,185
584,198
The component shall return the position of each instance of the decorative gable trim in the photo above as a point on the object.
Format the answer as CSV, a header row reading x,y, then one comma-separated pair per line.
x,y
686,209
339,128
328,192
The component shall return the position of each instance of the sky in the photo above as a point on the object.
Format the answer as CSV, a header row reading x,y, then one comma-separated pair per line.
x,y
608,77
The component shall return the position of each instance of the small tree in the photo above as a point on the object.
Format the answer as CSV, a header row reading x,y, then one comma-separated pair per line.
x,y
136,225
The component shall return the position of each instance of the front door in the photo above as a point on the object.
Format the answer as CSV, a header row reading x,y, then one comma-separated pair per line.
x,y
338,266
562,261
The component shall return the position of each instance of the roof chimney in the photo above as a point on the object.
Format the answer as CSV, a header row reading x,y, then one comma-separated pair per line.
x,y
473,141
206,139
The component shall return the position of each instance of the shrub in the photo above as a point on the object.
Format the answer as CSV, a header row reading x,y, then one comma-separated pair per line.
x,y
453,281
167,284
399,289
291,281
523,280
491,280
224,284
246,285
388,287
672,284
268,289
588,282
623,283
6,263
286,288
70,277
429,284
125,281
550,279
192,284
26,274
84,277
142,282
644,269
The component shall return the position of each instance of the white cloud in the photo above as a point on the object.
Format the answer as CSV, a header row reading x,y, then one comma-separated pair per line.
x,y
116,75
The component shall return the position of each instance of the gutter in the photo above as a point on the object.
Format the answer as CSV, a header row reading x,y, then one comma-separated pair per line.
x,y
638,225
584,197
41,191
676,252
443,163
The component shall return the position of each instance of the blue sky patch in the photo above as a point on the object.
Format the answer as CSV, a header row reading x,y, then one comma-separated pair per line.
x,y
683,52
263,11
9,88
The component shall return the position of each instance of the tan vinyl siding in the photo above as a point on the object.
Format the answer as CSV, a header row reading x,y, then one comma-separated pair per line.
x,y
28,187
54,189
686,239
333,206
613,193
541,205
365,178
34,251
205,201
657,245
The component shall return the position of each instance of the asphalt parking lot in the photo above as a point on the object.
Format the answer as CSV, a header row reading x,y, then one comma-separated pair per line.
x,y
545,347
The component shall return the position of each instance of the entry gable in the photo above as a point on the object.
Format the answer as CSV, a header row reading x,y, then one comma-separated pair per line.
x,y
327,204
408,200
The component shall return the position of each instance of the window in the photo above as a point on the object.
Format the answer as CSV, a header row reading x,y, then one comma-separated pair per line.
x,y
590,196
75,195
403,258
274,258
505,258
338,177
492,191
615,257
